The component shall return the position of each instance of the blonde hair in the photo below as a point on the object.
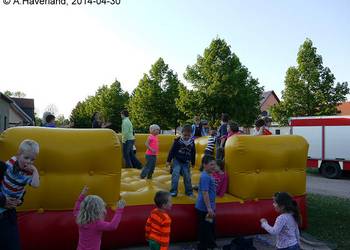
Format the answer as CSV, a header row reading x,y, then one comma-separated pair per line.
x,y
91,209
153,127
28,146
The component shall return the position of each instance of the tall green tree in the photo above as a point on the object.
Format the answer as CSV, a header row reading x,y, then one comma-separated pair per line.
x,y
310,88
108,100
220,84
153,101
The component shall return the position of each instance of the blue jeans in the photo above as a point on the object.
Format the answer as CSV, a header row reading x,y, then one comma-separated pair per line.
x,y
9,236
184,168
295,247
149,167
129,156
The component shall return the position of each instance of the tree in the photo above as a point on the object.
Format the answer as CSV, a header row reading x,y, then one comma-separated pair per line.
x,y
221,84
18,94
153,101
309,88
109,101
52,108
61,121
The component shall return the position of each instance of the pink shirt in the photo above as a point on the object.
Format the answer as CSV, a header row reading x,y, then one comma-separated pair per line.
x,y
90,234
221,183
153,143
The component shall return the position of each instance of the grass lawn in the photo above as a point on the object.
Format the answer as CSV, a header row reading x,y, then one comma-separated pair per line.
x,y
329,219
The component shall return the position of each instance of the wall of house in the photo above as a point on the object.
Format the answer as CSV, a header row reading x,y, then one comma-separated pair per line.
x,y
270,101
14,119
4,115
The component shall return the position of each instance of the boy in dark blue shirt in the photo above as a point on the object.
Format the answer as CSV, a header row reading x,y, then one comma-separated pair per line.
x,y
183,153
205,205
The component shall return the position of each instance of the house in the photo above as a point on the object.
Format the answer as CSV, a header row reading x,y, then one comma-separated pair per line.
x,y
269,99
4,111
344,108
11,114
27,106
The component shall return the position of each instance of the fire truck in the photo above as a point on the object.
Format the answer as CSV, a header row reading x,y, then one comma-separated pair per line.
x,y
329,142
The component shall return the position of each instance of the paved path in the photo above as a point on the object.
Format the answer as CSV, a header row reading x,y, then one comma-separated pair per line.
x,y
319,185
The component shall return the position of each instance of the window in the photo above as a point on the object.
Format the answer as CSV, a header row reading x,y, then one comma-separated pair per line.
x,y
5,122
278,132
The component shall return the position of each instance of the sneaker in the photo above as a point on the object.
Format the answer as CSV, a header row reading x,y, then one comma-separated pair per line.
x,y
173,194
190,195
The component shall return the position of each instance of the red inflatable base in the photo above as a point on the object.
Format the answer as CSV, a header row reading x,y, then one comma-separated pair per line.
x,y
58,230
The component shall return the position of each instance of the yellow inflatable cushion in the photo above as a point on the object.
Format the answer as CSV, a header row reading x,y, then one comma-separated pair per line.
x,y
259,166
68,159
141,192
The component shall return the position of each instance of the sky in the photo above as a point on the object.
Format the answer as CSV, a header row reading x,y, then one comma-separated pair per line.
x,y
61,54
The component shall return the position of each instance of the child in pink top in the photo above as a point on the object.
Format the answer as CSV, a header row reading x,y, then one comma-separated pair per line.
x,y
152,152
220,177
90,212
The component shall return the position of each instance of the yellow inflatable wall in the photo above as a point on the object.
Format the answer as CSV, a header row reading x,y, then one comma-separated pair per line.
x,y
68,159
259,166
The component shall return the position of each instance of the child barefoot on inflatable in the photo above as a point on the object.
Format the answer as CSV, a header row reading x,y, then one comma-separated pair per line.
x,y
152,152
183,154
90,213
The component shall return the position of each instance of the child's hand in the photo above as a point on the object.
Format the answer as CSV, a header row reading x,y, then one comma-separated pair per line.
x,y
153,151
30,168
121,203
211,213
263,221
12,202
85,190
168,164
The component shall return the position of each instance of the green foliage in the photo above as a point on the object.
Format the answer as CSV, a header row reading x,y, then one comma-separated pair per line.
x,y
62,122
109,101
153,101
18,94
221,84
309,88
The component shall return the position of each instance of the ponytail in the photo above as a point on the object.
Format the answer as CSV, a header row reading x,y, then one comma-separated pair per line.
x,y
296,213
285,201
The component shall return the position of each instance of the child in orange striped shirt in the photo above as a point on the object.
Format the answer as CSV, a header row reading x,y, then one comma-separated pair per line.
x,y
158,223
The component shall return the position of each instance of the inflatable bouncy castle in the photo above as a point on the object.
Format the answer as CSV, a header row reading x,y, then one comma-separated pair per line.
x,y
257,167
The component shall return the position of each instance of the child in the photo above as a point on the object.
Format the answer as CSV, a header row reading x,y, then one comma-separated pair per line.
x,y
198,129
18,172
286,224
220,177
222,132
50,121
232,129
209,150
158,223
205,205
152,152
260,128
183,152
90,212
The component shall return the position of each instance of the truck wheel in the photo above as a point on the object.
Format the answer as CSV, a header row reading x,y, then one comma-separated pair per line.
x,y
330,169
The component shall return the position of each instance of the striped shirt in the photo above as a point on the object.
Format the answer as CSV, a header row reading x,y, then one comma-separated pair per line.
x,y
158,228
15,180
211,144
